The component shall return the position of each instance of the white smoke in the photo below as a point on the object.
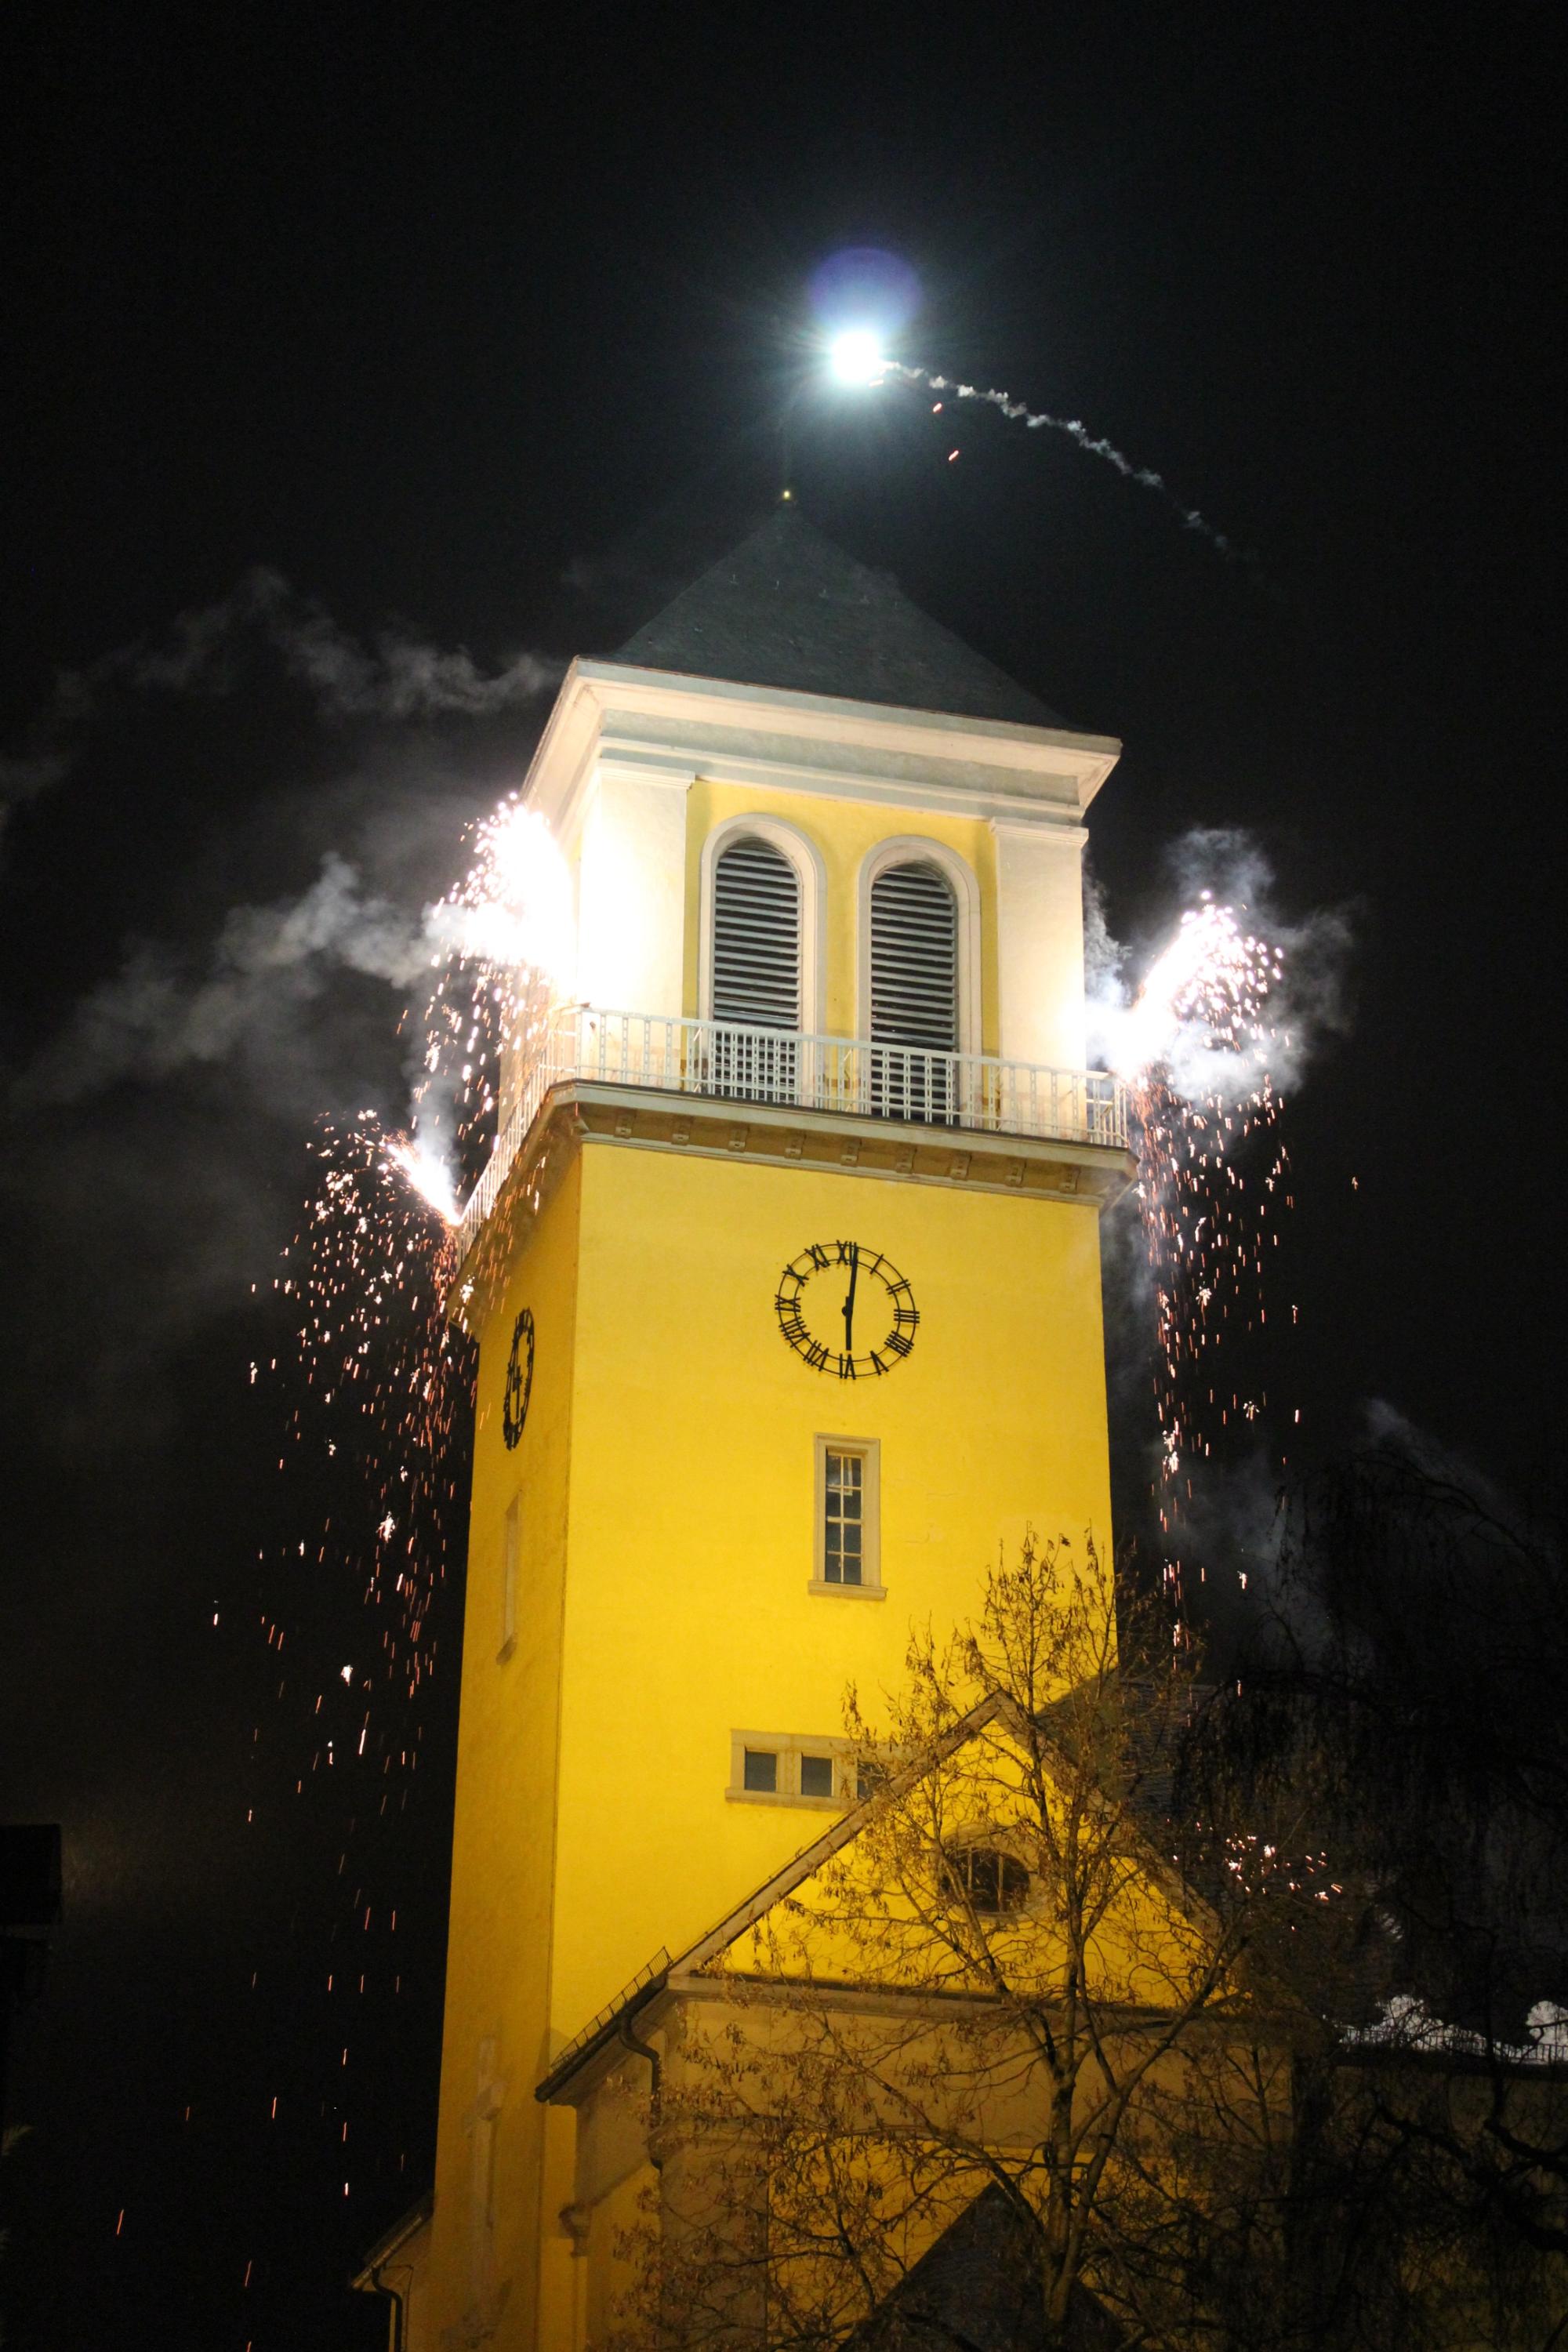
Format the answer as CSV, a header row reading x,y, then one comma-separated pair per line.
x,y
153,1127
157,1017
248,1000
399,675
1104,957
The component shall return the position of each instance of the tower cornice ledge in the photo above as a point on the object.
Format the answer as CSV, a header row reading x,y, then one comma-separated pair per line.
x,y
579,1114
673,729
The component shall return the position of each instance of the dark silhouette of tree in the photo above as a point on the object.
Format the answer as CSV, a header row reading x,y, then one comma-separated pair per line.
x,y
1410,1665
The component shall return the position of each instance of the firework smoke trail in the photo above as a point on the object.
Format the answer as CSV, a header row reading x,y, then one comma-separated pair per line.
x,y
380,1390
1194,1047
500,949
384,1372
372,1264
1093,445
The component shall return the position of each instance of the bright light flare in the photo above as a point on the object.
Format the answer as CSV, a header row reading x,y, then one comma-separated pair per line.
x,y
514,910
430,1178
1212,978
856,356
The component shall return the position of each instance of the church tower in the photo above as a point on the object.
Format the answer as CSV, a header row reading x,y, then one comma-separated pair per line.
x,y
785,1279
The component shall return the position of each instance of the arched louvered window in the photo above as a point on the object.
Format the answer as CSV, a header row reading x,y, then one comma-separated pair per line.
x,y
756,936
756,967
915,988
914,958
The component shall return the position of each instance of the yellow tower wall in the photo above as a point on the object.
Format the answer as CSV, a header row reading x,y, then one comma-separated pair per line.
x,y
503,1852
666,1468
691,1524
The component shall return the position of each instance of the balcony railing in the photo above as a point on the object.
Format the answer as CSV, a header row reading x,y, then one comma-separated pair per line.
x,y
789,1070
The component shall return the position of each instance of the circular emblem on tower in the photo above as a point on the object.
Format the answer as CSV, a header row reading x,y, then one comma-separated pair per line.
x,y
518,1379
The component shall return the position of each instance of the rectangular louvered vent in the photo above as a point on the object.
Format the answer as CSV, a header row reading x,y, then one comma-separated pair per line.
x,y
756,937
914,958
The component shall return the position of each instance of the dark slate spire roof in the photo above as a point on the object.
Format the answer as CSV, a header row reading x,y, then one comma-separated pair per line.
x,y
787,608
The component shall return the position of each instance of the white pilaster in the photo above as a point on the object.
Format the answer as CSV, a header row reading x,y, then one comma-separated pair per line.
x,y
1039,943
632,893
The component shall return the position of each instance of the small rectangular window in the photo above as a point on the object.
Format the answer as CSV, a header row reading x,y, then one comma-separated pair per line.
x,y
510,1548
786,1767
844,1524
847,1505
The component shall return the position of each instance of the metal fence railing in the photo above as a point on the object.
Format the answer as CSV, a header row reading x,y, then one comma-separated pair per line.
x,y
729,1062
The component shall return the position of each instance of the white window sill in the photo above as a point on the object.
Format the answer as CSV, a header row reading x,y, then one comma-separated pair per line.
x,y
783,1797
847,1592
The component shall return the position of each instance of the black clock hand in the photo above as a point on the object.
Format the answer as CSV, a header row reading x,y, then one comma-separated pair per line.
x,y
850,1301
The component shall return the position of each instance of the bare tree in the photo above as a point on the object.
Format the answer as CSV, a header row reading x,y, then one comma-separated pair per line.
x,y
1008,2062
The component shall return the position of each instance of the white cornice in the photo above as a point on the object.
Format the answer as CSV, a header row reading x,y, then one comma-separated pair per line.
x,y
668,730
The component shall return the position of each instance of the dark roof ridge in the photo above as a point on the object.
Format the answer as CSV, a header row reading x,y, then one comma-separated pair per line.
x,y
788,607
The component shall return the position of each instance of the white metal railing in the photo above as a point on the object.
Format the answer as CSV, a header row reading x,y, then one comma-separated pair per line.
x,y
730,1062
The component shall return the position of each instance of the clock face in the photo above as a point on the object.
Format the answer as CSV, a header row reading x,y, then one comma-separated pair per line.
x,y
518,1379
846,1310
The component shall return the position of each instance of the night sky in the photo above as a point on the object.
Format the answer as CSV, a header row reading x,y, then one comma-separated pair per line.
x,y
373,332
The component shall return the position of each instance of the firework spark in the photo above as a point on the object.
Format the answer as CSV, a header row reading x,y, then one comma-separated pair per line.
x,y
502,949
431,1178
1206,996
1195,1047
380,1392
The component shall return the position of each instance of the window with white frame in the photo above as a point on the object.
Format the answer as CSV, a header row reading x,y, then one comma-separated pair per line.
x,y
917,976
848,1503
790,1767
844,1516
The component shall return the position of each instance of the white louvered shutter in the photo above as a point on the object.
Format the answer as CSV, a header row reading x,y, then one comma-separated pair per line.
x,y
914,958
756,936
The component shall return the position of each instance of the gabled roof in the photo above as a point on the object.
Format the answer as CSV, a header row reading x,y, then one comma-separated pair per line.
x,y
788,608
652,1980
406,2227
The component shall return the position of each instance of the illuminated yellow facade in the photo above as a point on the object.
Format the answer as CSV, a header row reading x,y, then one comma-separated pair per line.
x,y
834,1942
649,1604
